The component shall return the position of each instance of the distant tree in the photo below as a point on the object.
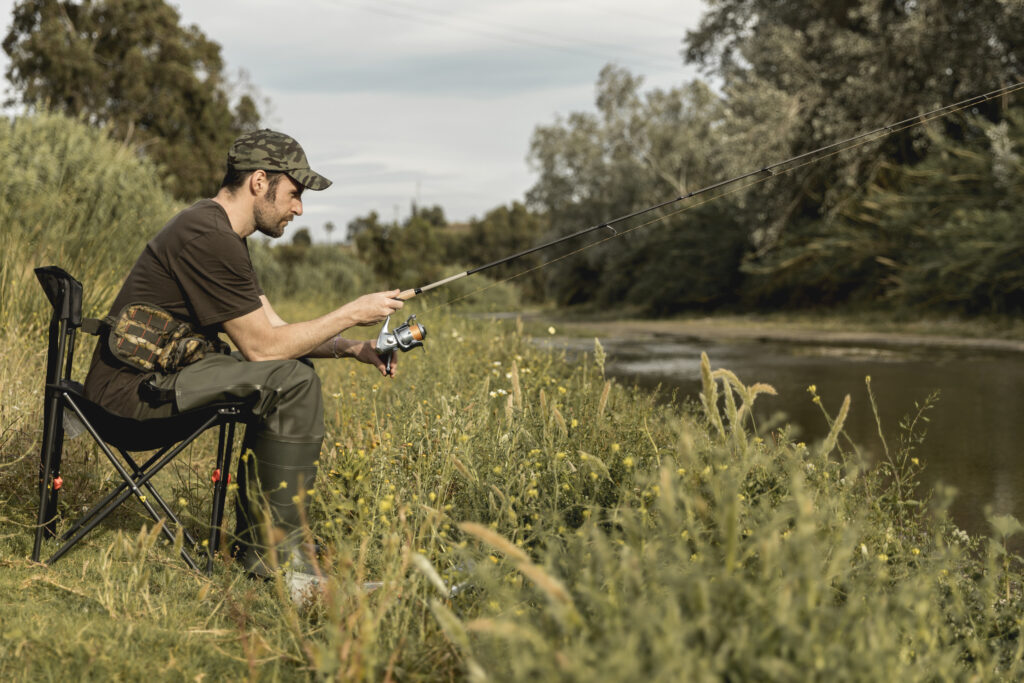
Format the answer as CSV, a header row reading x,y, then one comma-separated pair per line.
x,y
129,65
433,215
329,228
504,231
373,244
409,253
302,238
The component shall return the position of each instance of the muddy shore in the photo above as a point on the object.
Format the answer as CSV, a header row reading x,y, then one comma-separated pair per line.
x,y
796,333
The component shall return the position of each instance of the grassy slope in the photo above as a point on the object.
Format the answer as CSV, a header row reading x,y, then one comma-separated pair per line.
x,y
608,537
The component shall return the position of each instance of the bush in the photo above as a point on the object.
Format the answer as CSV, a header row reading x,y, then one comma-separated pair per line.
x,y
70,196
313,272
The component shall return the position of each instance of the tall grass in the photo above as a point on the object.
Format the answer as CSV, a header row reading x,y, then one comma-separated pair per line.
x,y
588,533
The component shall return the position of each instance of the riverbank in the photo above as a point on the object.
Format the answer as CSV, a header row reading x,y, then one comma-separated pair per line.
x,y
958,335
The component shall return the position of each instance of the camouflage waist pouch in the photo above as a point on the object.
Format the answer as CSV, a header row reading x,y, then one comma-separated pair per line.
x,y
150,339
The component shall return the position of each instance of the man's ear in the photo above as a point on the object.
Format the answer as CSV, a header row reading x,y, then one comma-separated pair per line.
x,y
258,183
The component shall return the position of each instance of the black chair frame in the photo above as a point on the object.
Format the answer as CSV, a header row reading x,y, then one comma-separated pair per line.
x,y
65,405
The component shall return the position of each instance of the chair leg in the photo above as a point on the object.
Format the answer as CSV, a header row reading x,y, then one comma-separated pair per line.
x,y
128,490
159,500
109,497
49,467
132,487
225,444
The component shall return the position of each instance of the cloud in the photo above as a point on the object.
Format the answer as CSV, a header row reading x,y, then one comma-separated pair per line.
x,y
395,99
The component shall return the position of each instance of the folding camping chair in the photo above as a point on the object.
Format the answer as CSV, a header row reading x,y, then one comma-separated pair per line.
x,y
66,409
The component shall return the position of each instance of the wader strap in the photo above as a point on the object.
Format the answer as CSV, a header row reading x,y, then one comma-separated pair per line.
x,y
154,395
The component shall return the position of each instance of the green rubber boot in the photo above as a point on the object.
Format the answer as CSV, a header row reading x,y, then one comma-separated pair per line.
x,y
274,478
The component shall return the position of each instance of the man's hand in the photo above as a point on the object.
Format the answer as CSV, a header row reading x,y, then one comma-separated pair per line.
x,y
366,352
370,309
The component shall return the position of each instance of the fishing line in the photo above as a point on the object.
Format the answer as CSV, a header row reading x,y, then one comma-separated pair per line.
x,y
731,185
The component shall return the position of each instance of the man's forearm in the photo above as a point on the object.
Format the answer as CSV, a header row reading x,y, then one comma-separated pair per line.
x,y
262,335
335,347
258,339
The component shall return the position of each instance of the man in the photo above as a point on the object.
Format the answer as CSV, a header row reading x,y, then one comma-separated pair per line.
x,y
198,269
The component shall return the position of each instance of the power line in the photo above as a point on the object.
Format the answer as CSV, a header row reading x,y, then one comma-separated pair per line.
x,y
515,35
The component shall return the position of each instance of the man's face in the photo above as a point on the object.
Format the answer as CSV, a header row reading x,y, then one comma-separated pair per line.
x,y
279,204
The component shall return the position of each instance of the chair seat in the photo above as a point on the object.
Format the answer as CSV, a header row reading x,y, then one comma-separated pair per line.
x,y
147,435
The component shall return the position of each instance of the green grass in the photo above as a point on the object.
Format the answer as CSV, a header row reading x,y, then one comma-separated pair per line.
x,y
599,536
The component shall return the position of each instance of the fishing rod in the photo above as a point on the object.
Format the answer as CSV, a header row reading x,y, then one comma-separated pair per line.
x,y
411,334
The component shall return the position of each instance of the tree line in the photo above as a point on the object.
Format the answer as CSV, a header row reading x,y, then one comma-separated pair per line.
x,y
928,218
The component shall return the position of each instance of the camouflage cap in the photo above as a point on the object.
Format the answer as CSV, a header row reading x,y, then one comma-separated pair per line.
x,y
272,151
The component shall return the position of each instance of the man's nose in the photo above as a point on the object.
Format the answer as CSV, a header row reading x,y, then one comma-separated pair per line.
x,y
297,207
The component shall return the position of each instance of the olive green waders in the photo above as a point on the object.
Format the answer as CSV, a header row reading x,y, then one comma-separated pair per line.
x,y
279,453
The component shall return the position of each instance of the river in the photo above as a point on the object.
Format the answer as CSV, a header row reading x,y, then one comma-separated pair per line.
x,y
975,431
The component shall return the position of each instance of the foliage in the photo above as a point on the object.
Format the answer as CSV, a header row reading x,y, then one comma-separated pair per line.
x,y
941,235
425,249
67,193
310,272
130,66
413,251
838,69
953,223
301,238
795,77
638,150
819,73
504,231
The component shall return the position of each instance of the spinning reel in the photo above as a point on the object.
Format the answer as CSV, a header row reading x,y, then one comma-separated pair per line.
x,y
405,337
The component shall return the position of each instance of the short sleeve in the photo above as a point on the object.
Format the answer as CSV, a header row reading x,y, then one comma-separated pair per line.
x,y
216,276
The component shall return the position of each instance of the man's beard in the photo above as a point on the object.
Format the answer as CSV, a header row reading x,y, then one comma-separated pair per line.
x,y
267,220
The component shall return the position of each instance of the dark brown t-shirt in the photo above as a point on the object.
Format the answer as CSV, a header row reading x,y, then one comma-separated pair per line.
x,y
196,268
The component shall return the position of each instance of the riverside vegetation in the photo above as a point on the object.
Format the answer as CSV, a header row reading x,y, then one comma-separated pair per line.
x,y
528,517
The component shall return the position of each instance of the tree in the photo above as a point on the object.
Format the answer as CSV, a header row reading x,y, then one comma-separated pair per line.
x,y
130,66
504,231
799,75
946,234
329,228
639,149
301,238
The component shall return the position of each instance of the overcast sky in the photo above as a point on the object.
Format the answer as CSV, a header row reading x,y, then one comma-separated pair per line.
x,y
396,100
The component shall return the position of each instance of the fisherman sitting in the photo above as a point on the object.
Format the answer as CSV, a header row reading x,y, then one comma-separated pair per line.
x,y
198,270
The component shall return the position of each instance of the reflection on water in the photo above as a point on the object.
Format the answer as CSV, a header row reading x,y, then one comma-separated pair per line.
x,y
974,434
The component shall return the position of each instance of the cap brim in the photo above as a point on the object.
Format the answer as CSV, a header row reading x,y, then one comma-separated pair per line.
x,y
309,179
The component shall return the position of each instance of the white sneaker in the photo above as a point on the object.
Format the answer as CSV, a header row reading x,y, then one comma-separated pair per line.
x,y
303,587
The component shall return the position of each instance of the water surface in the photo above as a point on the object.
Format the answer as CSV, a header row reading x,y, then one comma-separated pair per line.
x,y
975,431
